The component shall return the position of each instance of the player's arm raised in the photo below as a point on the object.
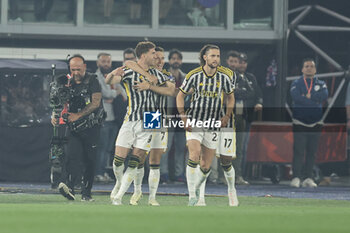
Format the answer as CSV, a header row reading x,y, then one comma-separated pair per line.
x,y
135,67
167,89
115,76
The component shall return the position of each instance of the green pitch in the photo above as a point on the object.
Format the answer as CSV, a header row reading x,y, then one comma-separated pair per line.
x,y
52,213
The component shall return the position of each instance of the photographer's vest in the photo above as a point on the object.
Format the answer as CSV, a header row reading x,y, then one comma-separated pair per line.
x,y
80,99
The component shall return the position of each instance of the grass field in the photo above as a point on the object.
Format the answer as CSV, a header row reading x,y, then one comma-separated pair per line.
x,y
51,213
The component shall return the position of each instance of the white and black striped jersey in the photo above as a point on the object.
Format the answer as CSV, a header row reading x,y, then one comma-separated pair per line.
x,y
207,98
143,101
161,100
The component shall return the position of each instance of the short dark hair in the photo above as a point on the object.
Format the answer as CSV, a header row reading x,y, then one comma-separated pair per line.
x,y
204,50
129,50
233,53
307,59
159,49
103,54
76,55
143,47
174,51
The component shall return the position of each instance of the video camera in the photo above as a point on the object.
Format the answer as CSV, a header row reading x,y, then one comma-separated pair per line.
x,y
60,92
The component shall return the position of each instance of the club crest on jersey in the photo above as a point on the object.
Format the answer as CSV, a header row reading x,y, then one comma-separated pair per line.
x,y
152,120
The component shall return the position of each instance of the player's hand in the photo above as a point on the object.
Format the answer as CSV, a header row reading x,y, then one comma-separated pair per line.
x,y
141,86
258,107
54,121
152,78
73,117
186,127
224,121
119,71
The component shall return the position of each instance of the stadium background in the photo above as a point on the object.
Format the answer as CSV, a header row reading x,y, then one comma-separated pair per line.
x,y
258,27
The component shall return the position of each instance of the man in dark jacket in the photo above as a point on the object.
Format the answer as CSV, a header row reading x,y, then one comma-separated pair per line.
x,y
308,93
243,92
253,103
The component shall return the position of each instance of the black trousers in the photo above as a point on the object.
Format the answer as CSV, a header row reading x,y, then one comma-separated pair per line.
x,y
240,124
81,158
305,144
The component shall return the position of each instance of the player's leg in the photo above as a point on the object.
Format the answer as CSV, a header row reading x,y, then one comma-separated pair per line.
x,y
210,142
154,174
229,172
121,151
227,148
141,146
201,200
204,169
194,150
123,145
129,174
140,172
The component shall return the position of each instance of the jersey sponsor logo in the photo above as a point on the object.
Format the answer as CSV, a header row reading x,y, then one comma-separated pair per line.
x,y
152,120
211,94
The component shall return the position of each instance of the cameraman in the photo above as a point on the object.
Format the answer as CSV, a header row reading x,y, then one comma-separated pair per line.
x,y
84,103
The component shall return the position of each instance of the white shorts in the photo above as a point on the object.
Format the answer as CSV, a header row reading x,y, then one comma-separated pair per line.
x,y
132,134
159,140
227,144
207,138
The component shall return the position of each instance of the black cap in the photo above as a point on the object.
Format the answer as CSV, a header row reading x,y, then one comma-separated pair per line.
x,y
243,57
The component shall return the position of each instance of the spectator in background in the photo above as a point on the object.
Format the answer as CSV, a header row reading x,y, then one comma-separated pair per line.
x,y
13,11
176,15
42,9
176,139
135,11
254,102
308,93
129,54
233,60
72,10
107,10
164,6
108,131
243,92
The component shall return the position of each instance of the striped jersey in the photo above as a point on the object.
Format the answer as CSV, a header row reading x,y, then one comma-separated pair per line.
x,y
139,101
161,100
207,98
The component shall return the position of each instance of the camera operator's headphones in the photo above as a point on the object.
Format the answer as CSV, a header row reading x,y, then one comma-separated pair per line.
x,y
69,58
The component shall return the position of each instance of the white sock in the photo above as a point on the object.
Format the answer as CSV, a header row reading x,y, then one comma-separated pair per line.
x,y
202,191
231,190
138,179
153,182
128,178
230,179
202,179
191,176
118,172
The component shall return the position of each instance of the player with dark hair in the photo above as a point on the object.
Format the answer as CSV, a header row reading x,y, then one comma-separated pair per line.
x,y
208,84
159,141
131,133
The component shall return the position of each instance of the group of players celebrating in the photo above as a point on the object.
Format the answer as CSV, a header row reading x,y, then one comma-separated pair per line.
x,y
147,86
